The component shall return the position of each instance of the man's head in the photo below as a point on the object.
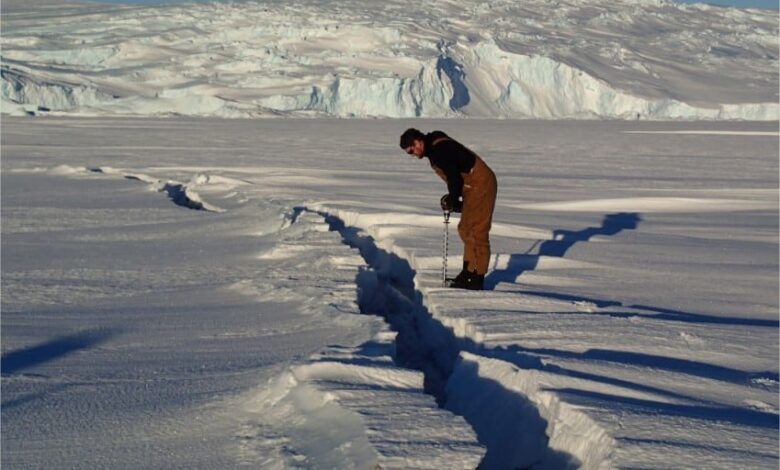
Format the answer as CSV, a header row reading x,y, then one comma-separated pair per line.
x,y
413,142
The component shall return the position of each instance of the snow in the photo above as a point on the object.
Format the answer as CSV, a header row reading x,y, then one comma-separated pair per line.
x,y
602,59
210,293
186,291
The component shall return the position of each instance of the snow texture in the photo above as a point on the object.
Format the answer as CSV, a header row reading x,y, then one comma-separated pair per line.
x,y
626,59
209,293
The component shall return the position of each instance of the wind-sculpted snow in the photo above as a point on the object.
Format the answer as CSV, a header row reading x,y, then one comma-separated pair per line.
x,y
571,59
630,317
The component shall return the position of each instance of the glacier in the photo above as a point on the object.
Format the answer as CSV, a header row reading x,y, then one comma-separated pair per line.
x,y
569,59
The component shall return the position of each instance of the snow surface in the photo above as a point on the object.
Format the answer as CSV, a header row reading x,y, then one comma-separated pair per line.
x,y
206,293
626,59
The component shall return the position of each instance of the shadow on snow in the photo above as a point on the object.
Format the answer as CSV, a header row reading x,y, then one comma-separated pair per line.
x,y
52,349
612,224
562,241
739,416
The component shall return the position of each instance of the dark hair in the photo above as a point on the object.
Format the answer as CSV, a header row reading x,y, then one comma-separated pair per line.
x,y
409,136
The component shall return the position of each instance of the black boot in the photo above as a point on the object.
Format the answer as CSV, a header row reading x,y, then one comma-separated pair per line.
x,y
469,280
475,281
459,281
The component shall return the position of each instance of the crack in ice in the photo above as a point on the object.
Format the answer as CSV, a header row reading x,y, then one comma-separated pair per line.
x,y
425,344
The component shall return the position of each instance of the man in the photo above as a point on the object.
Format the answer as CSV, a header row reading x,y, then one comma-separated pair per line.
x,y
472,191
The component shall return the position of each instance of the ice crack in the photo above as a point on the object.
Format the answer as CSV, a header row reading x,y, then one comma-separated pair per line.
x,y
178,193
516,437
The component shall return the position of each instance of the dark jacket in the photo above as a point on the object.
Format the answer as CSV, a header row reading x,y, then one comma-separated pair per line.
x,y
451,159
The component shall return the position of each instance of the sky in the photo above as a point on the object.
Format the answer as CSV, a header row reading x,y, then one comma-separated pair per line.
x,y
772,4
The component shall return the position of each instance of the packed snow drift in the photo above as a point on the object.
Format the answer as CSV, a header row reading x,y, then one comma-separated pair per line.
x,y
627,59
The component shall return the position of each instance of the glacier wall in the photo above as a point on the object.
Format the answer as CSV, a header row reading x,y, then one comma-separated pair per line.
x,y
37,92
429,94
530,87
539,87
505,61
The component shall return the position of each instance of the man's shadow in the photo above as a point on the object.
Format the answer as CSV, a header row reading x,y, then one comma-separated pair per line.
x,y
561,242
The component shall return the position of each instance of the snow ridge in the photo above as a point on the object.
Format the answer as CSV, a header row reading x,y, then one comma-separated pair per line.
x,y
579,60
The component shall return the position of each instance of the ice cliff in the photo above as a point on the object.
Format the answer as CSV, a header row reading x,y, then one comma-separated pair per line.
x,y
625,59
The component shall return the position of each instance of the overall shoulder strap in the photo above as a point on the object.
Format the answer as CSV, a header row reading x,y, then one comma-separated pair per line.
x,y
438,140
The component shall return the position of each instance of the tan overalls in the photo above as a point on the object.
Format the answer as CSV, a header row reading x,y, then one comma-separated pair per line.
x,y
479,200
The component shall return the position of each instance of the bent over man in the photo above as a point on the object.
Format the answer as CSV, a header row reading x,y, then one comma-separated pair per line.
x,y
472,188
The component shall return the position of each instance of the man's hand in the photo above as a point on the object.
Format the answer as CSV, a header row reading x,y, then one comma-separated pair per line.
x,y
449,206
